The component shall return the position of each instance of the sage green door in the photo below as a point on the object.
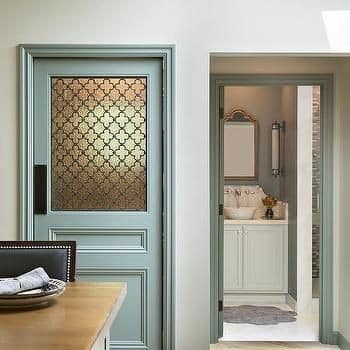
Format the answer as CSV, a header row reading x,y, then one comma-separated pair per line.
x,y
98,143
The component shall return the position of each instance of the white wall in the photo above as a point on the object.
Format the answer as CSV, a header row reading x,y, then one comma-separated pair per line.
x,y
304,198
289,182
197,28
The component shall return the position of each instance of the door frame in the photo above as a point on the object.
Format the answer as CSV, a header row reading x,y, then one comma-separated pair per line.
x,y
27,54
217,83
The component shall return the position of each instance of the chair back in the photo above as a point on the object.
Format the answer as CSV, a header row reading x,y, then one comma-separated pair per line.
x,y
57,258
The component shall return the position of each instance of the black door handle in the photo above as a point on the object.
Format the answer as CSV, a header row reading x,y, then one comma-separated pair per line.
x,y
40,189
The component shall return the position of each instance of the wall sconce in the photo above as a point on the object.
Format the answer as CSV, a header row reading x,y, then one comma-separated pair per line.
x,y
277,128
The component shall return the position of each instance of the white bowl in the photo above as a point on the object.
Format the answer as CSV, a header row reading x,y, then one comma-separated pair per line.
x,y
241,213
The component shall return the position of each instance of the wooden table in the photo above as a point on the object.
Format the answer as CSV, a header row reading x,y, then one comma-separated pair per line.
x,y
79,319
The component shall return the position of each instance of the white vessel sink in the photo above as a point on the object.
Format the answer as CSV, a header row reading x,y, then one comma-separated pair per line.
x,y
241,213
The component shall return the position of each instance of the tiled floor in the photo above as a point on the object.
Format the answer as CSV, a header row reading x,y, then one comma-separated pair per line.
x,y
304,329
271,346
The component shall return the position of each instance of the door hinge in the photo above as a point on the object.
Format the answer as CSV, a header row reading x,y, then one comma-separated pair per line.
x,y
221,209
221,113
221,306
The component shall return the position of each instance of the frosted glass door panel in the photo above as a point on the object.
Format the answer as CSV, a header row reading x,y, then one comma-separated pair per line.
x,y
98,131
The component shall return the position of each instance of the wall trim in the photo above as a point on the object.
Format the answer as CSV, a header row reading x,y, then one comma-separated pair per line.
x,y
342,342
291,302
27,54
217,83
258,298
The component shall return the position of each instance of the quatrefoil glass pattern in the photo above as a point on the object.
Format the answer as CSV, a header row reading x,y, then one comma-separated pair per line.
x,y
98,140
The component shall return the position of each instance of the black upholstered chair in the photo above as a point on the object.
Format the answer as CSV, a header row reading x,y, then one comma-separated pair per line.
x,y
56,257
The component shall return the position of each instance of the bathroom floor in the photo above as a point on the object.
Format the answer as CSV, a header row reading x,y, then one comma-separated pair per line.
x,y
306,328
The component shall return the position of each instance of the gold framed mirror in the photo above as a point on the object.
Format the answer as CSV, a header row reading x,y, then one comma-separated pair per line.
x,y
240,146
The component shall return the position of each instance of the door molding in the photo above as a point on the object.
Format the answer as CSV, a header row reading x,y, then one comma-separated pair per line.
x,y
27,54
217,83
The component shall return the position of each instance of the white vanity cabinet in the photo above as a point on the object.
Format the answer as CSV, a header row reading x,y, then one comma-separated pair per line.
x,y
256,258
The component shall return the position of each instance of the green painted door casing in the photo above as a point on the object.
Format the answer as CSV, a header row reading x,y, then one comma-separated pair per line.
x,y
93,114
217,84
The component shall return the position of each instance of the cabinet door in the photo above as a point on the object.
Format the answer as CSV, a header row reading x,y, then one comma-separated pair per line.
x,y
232,258
264,258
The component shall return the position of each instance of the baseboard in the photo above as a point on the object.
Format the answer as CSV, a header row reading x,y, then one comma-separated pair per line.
x,y
343,343
291,302
233,299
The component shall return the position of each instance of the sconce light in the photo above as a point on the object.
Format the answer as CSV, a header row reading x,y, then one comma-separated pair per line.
x,y
277,127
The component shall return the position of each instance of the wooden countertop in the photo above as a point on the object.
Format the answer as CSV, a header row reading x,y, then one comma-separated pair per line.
x,y
75,320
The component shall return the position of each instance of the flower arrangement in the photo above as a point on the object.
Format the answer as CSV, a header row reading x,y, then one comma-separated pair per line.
x,y
269,201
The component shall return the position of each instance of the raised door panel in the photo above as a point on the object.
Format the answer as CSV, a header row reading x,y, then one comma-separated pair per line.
x,y
232,258
263,258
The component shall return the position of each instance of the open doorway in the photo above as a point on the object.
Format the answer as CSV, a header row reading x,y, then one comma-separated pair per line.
x,y
269,268
270,150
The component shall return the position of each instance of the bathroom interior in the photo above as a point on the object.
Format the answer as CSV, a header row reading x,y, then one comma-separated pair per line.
x,y
263,127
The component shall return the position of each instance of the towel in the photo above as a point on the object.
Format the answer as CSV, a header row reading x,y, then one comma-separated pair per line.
x,y
33,279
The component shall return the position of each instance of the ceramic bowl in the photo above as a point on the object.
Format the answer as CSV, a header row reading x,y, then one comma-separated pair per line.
x,y
241,213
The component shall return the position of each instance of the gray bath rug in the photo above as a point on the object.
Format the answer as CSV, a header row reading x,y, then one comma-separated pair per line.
x,y
258,315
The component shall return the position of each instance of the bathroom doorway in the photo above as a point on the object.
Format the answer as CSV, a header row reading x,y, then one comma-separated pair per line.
x,y
271,263
267,159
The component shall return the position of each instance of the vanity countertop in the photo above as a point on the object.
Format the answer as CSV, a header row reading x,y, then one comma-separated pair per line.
x,y
255,222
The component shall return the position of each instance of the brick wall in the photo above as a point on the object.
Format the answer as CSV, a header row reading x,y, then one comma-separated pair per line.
x,y
316,178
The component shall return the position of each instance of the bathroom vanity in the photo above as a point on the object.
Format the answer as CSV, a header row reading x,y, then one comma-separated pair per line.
x,y
255,256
